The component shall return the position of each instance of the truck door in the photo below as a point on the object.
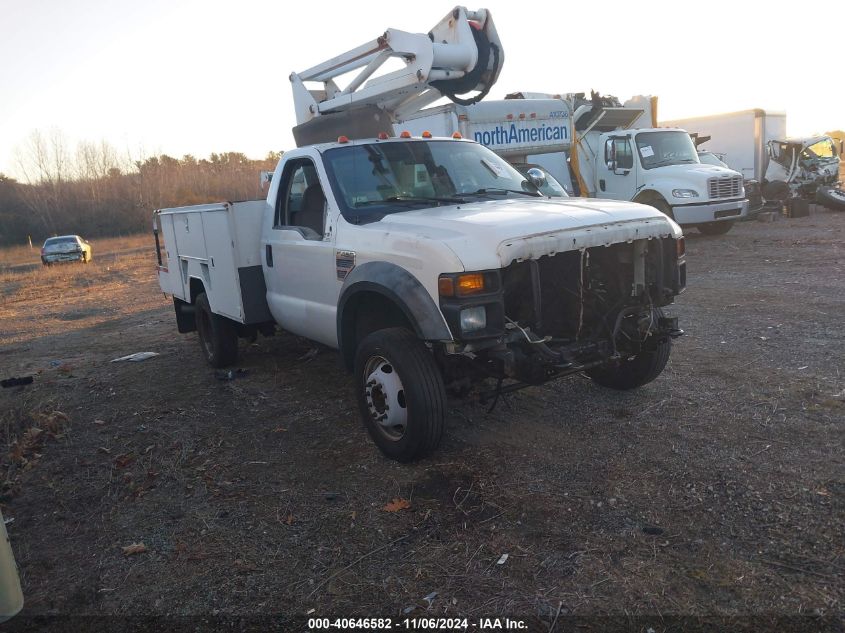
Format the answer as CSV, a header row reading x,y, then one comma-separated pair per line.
x,y
298,255
616,170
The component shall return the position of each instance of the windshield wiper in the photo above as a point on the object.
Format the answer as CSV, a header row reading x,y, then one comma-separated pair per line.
x,y
411,200
671,161
499,190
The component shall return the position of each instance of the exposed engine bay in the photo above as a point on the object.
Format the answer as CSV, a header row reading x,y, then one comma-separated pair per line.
x,y
576,310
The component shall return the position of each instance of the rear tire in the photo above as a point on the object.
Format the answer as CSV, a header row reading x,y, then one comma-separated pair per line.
x,y
716,228
400,394
218,335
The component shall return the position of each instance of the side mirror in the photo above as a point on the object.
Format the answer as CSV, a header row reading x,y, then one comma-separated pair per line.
x,y
537,177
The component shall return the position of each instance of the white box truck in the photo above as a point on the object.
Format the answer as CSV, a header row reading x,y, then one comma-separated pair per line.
x,y
603,149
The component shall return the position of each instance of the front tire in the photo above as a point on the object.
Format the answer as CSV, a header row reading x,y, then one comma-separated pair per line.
x,y
831,197
218,335
661,205
716,228
636,371
400,394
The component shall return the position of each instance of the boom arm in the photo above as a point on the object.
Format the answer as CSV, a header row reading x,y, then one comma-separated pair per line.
x,y
460,54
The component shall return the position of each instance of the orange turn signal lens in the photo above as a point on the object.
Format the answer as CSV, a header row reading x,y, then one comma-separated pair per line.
x,y
681,246
446,287
470,284
462,285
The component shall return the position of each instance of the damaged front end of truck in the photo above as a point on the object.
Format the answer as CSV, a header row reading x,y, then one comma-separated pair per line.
x,y
798,167
552,311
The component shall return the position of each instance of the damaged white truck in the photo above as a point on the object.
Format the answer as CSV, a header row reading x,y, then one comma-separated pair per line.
x,y
429,263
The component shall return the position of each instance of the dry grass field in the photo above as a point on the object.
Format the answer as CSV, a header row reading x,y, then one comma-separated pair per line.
x,y
713,497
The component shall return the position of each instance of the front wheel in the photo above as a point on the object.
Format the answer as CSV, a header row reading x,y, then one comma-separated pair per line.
x,y
400,394
661,205
635,371
831,198
716,228
218,335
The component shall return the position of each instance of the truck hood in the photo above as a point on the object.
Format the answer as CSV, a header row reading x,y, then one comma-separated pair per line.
x,y
492,234
687,171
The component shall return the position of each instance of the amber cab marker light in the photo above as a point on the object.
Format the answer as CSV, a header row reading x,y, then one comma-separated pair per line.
x,y
426,134
457,135
342,139
382,136
405,134
470,284
446,286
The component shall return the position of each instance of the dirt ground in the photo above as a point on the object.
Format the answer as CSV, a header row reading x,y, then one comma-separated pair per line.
x,y
716,493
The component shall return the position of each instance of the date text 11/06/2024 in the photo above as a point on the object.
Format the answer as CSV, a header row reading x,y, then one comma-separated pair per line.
x,y
418,624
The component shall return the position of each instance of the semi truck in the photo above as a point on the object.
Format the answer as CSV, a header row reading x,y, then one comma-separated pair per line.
x,y
601,148
430,264
754,142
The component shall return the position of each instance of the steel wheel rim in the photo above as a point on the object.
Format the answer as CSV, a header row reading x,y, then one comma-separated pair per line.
x,y
384,395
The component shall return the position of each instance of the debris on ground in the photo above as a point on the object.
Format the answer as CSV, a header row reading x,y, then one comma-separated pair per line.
x,y
397,504
16,382
134,548
137,357
230,374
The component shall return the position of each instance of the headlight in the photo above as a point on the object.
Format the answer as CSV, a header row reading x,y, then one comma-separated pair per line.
x,y
684,193
473,319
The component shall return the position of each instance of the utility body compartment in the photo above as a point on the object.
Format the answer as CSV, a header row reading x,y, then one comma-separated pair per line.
x,y
214,248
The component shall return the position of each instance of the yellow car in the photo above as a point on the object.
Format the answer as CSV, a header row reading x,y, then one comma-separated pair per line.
x,y
65,248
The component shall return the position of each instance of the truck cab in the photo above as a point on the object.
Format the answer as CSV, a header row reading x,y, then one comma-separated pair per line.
x,y
660,166
799,166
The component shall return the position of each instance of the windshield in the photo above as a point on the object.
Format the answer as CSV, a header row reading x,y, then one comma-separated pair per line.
x,y
707,158
658,149
372,180
60,240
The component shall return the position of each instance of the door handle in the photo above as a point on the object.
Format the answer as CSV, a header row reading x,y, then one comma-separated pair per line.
x,y
268,255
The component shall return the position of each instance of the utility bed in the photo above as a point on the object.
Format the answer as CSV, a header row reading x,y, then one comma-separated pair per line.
x,y
218,245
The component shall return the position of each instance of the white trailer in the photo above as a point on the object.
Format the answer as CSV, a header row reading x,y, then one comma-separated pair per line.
x,y
740,138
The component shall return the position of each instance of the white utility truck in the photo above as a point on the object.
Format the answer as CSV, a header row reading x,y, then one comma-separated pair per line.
x,y
429,263
614,152
754,143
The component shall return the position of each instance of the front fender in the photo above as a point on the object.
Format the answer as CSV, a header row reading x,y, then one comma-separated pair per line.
x,y
401,288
